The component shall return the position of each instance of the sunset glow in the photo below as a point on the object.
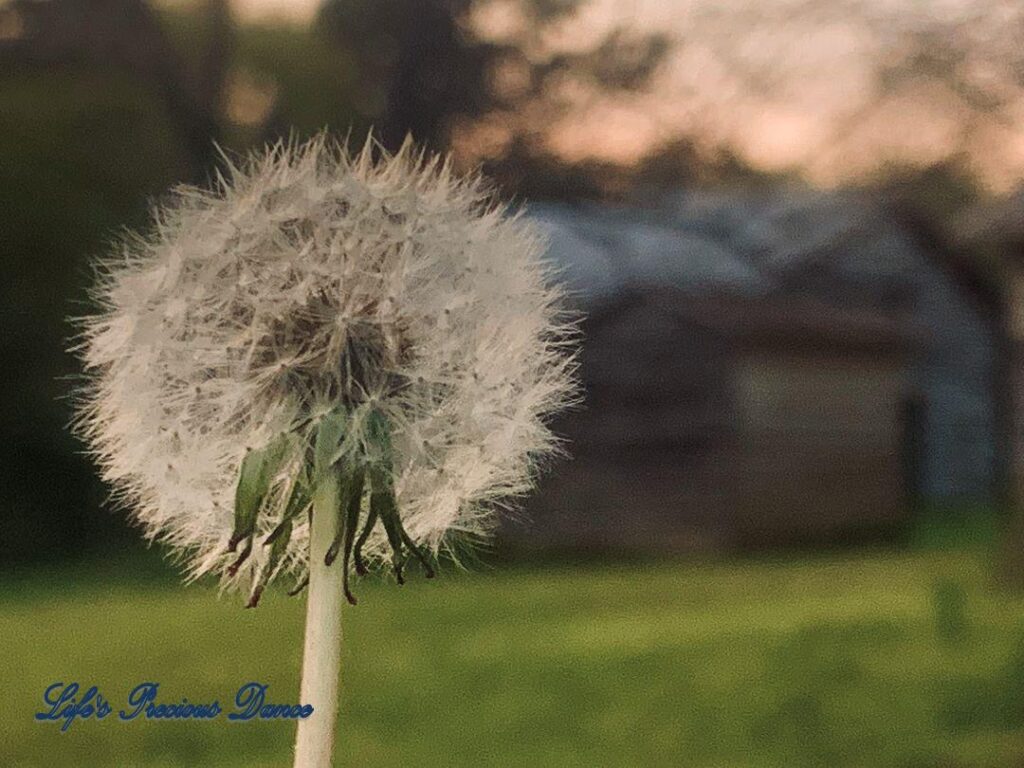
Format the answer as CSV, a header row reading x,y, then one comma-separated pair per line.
x,y
792,85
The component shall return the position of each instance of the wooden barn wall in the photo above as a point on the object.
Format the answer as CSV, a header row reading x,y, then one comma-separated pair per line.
x,y
686,443
819,446
644,470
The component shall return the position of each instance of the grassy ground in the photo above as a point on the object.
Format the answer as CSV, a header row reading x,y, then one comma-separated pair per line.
x,y
869,659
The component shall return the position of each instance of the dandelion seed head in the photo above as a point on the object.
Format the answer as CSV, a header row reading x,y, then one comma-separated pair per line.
x,y
307,277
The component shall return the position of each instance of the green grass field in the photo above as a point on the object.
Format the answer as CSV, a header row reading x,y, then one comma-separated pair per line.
x,y
861,659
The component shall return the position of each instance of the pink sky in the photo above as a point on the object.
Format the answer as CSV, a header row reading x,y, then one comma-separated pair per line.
x,y
824,76
293,10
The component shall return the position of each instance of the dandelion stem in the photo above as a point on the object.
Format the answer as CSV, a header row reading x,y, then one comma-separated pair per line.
x,y
320,658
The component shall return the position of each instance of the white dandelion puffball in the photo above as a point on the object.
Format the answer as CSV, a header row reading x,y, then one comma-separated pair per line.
x,y
306,284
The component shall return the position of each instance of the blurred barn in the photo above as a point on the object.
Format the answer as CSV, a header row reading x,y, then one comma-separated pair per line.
x,y
994,230
777,367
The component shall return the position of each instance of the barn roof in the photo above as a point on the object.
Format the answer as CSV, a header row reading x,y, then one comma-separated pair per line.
x,y
604,253
834,245
999,224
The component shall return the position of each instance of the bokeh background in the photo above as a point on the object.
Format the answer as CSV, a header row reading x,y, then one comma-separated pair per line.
x,y
789,532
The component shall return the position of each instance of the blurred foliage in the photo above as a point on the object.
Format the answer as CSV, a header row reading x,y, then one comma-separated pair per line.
x,y
836,661
309,83
417,69
425,70
83,150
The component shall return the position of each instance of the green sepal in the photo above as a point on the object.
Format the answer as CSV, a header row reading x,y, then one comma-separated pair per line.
x,y
382,505
355,506
357,550
277,551
330,433
379,436
351,502
246,551
257,472
350,494
299,499
387,510
301,585
382,499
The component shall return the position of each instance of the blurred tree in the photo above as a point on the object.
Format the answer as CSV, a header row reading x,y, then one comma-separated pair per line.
x,y
872,85
126,35
417,68
82,149
97,116
537,174
425,68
